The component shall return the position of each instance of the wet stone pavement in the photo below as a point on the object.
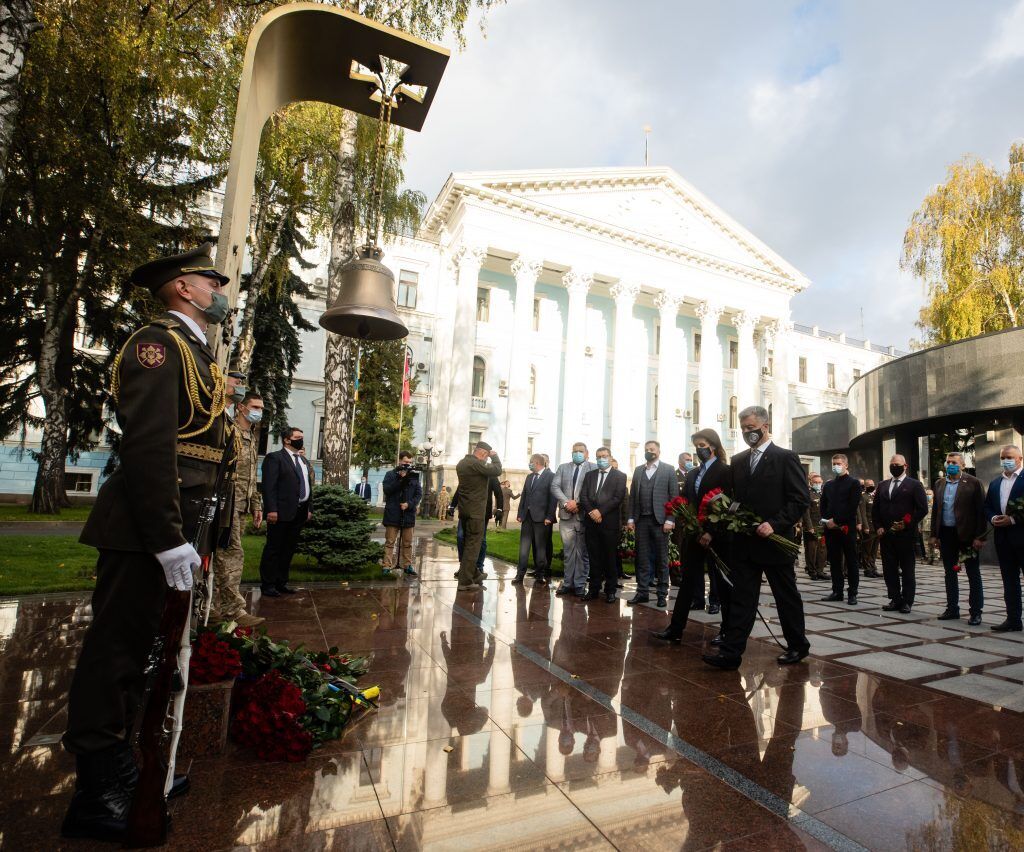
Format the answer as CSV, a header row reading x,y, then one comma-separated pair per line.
x,y
514,719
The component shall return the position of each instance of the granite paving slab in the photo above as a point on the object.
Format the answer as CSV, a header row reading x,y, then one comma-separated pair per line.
x,y
924,631
895,665
1014,671
955,656
874,638
999,693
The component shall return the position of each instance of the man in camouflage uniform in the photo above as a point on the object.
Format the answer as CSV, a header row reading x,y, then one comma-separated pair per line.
x,y
810,524
868,548
169,396
228,603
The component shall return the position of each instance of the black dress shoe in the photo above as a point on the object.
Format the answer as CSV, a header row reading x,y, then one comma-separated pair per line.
x,y
696,606
721,662
719,639
792,656
638,599
835,596
592,595
270,593
179,786
974,620
1006,627
663,602
517,581
668,636
892,606
949,615
905,609
611,598
564,590
852,600
285,589
714,609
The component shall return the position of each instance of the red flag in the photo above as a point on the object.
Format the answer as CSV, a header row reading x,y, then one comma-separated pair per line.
x,y
406,392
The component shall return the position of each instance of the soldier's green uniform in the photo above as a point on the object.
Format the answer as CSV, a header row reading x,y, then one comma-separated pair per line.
x,y
228,603
868,548
474,486
814,550
169,399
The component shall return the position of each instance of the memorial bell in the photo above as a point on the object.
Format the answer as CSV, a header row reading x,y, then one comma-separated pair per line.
x,y
365,307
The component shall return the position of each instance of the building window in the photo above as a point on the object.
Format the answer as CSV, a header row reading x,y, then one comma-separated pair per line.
x,y
479,376
696,408
769,363
529,447
536,314
533,385
733,424
734,355
78,483
474,439
830,376
770,430
483,304
657,338
856,373
655,405
408,284
803,370
696,347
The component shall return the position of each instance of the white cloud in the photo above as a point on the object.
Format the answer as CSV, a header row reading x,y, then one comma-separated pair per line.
x,y
1007,43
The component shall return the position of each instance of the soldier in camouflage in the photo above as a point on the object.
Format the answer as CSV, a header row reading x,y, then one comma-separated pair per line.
x,y
814,550
228,603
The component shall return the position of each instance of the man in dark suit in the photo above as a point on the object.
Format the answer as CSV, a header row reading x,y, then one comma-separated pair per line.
x,y
364,490
770,482
899,501
536,514
1009,532
840,504
712,473
958,519
654,484
288,480
601,499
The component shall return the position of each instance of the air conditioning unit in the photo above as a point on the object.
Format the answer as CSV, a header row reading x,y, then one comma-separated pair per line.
x,y
502,388
721,418
589,351
765,371
679,412
421,367
686,414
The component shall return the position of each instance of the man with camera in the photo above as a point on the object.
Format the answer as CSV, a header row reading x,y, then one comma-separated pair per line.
x,y
402,494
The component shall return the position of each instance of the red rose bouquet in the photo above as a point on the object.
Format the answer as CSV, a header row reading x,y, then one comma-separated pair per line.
x,y
902,524
213,659
685,516
719,511
270,720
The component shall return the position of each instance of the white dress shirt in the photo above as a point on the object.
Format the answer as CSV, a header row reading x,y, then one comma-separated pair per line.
x,y
1005,487
191,325
304,491
757,453
896,483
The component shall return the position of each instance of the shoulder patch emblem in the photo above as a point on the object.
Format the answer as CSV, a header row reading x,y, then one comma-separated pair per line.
x,y
150,355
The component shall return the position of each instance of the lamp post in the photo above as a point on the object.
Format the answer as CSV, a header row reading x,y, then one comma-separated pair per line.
x,y
427,452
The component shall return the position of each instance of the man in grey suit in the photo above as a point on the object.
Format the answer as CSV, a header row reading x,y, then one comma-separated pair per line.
x,y
654,484
566,488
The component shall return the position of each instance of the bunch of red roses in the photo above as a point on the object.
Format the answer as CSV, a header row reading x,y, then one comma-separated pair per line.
x,y
685,517
719,510
269,720
213,660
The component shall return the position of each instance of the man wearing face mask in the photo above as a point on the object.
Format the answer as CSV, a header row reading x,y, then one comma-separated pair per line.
x,y
168,394
654,484
228,603
840,500
868,539
958,521
536,514
565,488
896,499
814,553
770,482
601,501
1009,532
288,480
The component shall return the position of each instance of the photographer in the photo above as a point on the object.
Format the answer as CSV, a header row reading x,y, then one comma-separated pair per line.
x,y
402,493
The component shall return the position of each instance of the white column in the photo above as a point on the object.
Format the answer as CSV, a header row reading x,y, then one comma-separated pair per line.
x,y
442,345
526,272
710,368
672,365
578,285
468,259
747,378
624,294
781,418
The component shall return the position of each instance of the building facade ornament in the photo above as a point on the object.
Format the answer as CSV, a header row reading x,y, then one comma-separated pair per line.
x,y
624,291
667,301
577,283
526,267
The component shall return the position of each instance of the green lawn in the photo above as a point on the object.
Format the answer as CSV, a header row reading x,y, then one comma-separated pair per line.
x,y
11,514
58,563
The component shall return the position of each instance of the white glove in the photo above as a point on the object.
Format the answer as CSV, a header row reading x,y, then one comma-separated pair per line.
x,y
178,564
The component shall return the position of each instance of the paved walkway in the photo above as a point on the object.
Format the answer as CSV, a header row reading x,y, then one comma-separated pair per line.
x,y
516,719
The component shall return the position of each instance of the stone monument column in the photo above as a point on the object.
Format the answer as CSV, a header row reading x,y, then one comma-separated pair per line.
x,y
578,285
672,369
526,271
710,368
624,295
468,259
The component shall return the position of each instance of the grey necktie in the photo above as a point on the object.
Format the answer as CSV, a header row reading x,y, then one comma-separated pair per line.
x,y
755,459
302,478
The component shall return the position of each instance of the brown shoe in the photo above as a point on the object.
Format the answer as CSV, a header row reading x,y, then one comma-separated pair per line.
x,y
246,620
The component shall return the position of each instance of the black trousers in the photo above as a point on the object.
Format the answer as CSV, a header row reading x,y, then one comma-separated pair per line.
x,y
692,574
949,550
842,557
602,543
746,578
1011,563
282,539
533,535
108,683
898,566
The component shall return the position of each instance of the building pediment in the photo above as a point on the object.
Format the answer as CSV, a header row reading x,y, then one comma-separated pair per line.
x,y
653,206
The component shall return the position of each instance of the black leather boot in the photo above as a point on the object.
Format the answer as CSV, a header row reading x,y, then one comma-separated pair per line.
x,y
99,807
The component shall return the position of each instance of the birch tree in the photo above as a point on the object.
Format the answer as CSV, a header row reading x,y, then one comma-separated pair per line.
x,y
17,23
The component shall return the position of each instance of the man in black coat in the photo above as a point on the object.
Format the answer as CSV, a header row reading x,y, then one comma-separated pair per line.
x,y
770,482
288,480
840,502
402,494
536,514
900,504
601,498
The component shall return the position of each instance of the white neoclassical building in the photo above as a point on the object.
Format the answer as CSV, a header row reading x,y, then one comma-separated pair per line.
x,y
608,305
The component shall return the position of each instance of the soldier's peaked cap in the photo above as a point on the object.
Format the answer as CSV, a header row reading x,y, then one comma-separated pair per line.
x,y
156,273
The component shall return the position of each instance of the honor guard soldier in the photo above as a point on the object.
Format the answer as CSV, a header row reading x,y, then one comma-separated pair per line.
x,y
169,397
814,550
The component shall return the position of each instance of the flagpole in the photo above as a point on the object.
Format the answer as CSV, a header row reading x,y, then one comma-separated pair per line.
x,y
355,401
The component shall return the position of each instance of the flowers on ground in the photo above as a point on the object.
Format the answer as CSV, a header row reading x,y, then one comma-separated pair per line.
x,y
213,659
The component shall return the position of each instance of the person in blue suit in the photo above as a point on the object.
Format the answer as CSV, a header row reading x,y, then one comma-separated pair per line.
x,y
1009,532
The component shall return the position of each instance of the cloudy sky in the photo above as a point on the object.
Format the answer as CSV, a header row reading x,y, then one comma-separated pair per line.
x,y
820,126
